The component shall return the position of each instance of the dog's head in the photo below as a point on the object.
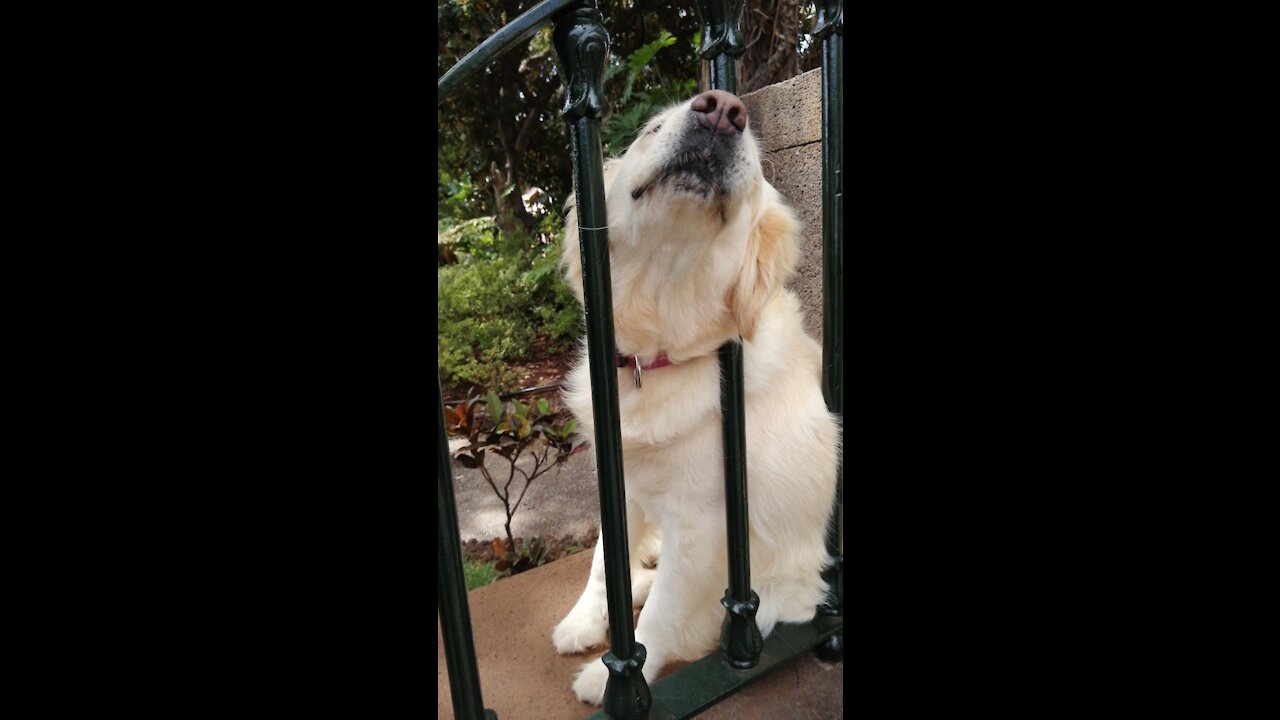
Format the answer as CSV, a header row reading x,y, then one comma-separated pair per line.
x,y
698,240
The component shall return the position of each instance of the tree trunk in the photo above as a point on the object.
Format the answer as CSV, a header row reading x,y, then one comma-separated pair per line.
x,y
510,217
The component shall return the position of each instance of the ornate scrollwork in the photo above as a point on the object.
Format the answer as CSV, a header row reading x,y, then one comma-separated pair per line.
x,y
830,19
582,46
720,33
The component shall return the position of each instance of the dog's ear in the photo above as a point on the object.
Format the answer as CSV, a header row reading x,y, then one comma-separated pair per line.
x,y
569,262
770,260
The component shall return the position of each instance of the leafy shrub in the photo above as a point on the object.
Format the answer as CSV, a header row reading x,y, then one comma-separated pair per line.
x,y
481,328
492,307
557,308
476,237
454,194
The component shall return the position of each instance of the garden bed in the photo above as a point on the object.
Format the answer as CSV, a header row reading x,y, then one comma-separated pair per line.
x,y
474,550
481,558
545,368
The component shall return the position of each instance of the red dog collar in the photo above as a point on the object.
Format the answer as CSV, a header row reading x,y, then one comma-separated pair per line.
x,y
624,361
630,361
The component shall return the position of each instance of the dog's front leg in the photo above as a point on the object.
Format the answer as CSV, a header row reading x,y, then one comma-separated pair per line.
x,y
587,623
681,618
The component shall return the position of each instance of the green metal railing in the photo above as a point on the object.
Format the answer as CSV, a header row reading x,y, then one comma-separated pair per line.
x,y
830,29
582,48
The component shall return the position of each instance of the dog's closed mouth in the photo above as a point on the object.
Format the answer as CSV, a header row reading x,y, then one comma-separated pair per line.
x,y
694,171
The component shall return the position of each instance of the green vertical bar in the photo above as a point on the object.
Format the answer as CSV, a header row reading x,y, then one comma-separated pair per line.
x,y
740,638
451,591
604,380
724,74
830,29
582,46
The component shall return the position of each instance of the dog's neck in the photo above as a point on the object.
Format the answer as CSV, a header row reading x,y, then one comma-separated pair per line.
x,y
631,361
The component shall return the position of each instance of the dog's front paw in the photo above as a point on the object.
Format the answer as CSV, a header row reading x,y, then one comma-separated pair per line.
x,y
590,683
579,631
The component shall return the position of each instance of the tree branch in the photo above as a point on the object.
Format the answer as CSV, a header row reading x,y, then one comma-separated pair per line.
x,y
512,474
484,472
537,463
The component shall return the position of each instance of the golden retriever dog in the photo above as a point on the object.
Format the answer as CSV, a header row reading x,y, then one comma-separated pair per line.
x,y
700,248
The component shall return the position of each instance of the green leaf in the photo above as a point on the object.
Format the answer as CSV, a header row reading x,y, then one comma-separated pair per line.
x,y
613,69
495,406
645,53
569,426
543,406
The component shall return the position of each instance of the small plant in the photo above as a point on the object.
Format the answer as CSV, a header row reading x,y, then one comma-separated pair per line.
x,y
535,551
478,573
508,431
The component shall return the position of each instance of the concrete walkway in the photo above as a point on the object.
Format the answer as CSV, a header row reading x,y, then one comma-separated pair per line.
x,y
566,500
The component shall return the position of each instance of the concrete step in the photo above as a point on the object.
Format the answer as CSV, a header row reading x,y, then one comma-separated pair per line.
x,y
522,677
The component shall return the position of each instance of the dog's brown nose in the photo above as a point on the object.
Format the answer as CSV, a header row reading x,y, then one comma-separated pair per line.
x,y
720,111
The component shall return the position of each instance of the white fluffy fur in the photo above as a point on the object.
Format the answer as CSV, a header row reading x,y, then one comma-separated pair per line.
x,y
686,279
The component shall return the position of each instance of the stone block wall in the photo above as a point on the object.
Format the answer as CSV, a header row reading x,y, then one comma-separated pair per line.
x,y
787,119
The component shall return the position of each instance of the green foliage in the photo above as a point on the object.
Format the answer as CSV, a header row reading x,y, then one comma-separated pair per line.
x,y
503,125
478,574
480,123
641,57
535,551
557,309
454,195
622,128
476,237
493,306
624,125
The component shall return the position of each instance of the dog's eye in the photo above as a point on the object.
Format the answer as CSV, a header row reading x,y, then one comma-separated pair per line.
x,y
656,128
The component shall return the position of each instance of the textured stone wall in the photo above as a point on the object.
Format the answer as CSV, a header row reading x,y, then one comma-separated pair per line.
x,y
787,118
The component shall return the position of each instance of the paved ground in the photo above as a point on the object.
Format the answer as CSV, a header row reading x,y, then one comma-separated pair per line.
x,y
563,501
522,678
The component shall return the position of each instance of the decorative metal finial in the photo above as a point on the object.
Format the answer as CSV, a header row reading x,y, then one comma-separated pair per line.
x,y
582,47
720,33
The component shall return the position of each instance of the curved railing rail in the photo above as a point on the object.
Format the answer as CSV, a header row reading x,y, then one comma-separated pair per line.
x,y
582,48
510,37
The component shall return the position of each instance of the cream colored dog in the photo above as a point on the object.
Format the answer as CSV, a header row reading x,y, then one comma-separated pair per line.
x,y
700,247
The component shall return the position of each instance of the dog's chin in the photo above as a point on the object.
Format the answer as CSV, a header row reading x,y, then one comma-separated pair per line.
x,y
692,183
694,190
